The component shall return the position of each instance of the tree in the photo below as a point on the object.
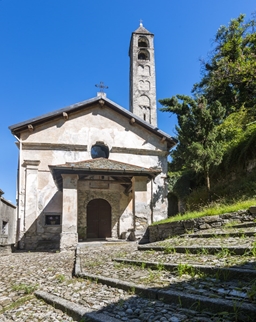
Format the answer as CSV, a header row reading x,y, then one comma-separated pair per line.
x,y
230,74
197,133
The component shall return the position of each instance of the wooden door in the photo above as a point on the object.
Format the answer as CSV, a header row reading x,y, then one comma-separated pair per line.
x,y
98,219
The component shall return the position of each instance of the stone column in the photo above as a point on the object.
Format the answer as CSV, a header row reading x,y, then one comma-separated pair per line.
x,y
141,207
69,235
28,224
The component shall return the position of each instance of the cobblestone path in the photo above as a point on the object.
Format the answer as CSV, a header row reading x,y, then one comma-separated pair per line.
x,y
22,273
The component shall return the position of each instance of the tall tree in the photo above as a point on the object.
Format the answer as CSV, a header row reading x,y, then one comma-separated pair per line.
x,y
229,75
197,133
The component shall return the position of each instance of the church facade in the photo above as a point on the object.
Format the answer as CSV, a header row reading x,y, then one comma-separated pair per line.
x,y
94,170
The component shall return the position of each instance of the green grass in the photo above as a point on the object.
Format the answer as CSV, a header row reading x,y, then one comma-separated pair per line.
x,y
17,303
27,289
212,210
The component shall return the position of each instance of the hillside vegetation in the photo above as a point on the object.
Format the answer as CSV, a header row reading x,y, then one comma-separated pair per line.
x,y
215,159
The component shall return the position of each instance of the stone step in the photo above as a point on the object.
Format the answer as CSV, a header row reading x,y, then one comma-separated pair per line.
x,y
76,311
234,250
243,225
213,288
236,283
241,311
220,234
223,273
98,243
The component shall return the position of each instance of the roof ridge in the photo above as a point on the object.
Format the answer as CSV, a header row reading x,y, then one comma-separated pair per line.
x,y
105,160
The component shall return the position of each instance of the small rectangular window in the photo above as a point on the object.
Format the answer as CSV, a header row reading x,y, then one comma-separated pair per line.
x,y
51,220
5,228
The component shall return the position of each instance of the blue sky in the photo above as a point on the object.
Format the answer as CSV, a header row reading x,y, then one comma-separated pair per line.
x,y
53,52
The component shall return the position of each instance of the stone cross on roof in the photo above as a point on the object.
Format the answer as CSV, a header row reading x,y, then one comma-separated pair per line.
x,y
101,86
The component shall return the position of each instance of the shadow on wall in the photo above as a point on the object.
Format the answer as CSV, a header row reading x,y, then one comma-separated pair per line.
x,y
173,204
44,232
157,195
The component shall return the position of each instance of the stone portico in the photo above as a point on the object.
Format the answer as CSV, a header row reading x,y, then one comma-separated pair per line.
x,y
120,185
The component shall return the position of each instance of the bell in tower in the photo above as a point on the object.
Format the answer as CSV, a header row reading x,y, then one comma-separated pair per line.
x,y
142,75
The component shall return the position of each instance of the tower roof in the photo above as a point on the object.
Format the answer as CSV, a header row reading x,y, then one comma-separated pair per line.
x,y
142,30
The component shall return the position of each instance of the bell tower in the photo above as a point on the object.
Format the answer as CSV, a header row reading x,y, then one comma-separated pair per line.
x,y
142,75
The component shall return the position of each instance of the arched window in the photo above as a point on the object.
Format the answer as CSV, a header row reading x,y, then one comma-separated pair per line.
x,y
143,42
144,101
99,150
143,54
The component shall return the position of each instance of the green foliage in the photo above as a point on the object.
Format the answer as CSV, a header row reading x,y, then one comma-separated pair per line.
x,y
217,129
229,76
239,140
253,250
233,128
181,182
60,278
26,289
197,133
187,269
224,252
225,191
168,249
252,291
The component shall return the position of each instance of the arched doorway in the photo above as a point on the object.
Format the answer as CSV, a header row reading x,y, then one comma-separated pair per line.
x,y
98,219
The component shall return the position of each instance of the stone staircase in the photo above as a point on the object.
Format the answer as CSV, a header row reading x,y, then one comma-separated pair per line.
x,y
204,276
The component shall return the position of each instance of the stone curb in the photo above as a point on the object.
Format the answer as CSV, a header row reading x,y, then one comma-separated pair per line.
x,y
244,311
77,264
222,272
194,249
76,311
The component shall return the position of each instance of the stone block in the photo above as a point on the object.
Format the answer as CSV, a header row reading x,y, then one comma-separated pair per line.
x,y
68,241
189,224
252,210
216,224
4,301
209,219
204,226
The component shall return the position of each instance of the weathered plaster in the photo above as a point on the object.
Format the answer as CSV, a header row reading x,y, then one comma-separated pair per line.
x,y
63,141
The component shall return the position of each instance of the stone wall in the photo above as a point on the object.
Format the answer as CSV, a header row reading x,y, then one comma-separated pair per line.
x,y
7,225
163,231
113,195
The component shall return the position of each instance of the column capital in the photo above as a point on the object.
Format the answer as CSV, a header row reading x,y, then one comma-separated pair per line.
x,y
69,180
32,164
139,183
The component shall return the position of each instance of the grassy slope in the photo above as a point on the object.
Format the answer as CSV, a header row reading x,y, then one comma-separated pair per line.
x,y
211,211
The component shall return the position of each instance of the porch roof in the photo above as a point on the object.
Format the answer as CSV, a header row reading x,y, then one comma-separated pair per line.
x,y
101,166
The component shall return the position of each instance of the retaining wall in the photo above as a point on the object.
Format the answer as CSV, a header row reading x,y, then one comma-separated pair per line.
x,y
163,231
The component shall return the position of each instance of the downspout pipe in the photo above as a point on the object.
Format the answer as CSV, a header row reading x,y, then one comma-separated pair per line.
x,y
18,195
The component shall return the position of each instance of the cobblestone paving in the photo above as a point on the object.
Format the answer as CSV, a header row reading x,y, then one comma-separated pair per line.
x,y
183,279
22,273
